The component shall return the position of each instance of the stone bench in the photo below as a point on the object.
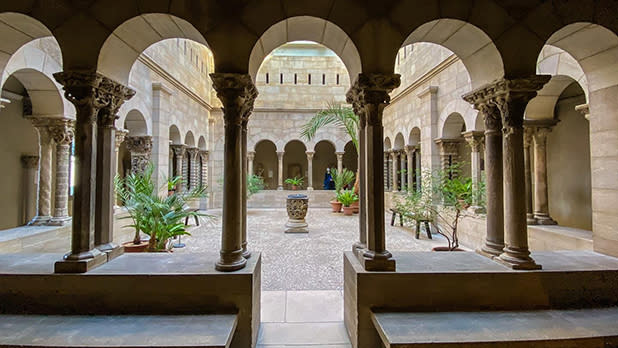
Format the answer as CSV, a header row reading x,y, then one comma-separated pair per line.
x,y
541,328
419,222
117,330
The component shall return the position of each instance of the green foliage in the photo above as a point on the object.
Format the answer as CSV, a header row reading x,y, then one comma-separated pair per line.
x,y
342,116
347,197
255,184
342,179
161,217
295,181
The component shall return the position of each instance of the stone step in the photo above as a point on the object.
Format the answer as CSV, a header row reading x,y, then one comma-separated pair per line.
x,y
543,328
117,330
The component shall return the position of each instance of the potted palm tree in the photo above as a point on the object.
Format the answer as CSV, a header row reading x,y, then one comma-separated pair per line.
x,y
341,179
347,197
295,182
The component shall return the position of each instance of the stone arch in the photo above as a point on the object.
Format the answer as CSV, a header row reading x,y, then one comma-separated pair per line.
x,y
265,163
555,61
415,137
324,157
189,139
399,142
479,122
460,107
295,160
201,143
306,28
136,124
124,45
255,145
174,135
453,126
45,97
387,144
17,30
472,45
542,106
350,156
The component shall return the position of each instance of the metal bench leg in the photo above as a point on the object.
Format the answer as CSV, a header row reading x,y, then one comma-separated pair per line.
x,y
187,221
428,230
401,219
393,219
197,221
418,230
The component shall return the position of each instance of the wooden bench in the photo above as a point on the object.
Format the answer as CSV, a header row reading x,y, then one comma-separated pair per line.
x,y
419,222
192,210
541,328
91,331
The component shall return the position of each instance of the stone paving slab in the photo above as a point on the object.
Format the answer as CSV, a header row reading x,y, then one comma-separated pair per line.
x,y
117,331
303,334
312,261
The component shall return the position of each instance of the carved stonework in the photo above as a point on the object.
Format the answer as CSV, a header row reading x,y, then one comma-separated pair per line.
x,y
297,206
371,91
204,155
237,94
178,149
540,136
30,162
141,149
475,140
62,131
192,152
528,134
448,146
114,95
81,89
120,136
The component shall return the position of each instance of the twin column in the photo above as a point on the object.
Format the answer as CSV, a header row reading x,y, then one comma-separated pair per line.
x,y
237,94
369,96
502,105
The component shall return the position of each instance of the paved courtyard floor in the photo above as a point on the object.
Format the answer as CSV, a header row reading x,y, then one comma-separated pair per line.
x,y
309,261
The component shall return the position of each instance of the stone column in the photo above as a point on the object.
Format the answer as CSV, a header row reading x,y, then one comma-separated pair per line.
x,y
418,174
250,158
192,153
140,148
237,94
371,91
43,215
387,171
339,161
31,166
62,133
115,95
528,131
402,170
82,89
449,153
120,135
309,170
245,120
204,157
394,179
361,245
541,202
410,167
179,154
280,170
513,96
482,99
475,141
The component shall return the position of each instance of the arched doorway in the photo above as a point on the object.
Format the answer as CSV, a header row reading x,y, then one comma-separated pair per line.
x,y
295,162
265,163
324,158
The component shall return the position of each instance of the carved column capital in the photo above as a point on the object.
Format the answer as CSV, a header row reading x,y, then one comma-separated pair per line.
x,y
139,144
309,155
192,152
204,155
372,91
121,134
237,94
528,135
339,155
30,161
178,149
280,154
251,155
540,135
112,95
62,131
448,146
81,89
475,140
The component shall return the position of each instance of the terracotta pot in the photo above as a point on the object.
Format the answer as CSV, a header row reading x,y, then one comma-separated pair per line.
x,y
443,248
356,207
294,187
130,247
336,205
348,210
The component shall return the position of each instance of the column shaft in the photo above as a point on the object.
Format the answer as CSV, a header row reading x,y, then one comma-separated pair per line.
x,y
31,166
417,169
339,161
395,184
280,170
62,132
245,253
528,173
541,201
43,215
410,167
237,94
309,170
402,170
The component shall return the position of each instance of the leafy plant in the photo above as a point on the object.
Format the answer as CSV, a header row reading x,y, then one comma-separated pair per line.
x,y
338,115
341,179
255,184
347,197
161,217
295,181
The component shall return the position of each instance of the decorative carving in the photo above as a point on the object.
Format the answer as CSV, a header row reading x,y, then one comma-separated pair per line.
x,y
179,150
448,146
140,148
237,94
120,136
528,134
310,155
204,155
192,152
475,140
30,161
62,131
114,94
370,94
81,89
297,206
540,136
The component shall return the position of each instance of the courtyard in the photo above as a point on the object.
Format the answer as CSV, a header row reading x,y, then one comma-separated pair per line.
x,y
303,261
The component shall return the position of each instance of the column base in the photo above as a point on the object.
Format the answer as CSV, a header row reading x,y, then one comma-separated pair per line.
x,y
543,219
39,221
60,221
231,261
245,253
296,226
111,250
518,259
491,249
378,262
79,263
359,247
309,188
530,220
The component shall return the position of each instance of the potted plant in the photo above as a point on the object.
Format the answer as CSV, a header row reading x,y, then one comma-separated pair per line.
x,y
341,180
296,182
347,197
255,184
160,217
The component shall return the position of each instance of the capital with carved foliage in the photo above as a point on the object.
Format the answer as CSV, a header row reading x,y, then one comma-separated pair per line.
x,y
370,93
237,93
139,144
62,130
114,95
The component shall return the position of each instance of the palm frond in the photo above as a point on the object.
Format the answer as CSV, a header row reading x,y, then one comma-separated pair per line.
x,y
338,115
